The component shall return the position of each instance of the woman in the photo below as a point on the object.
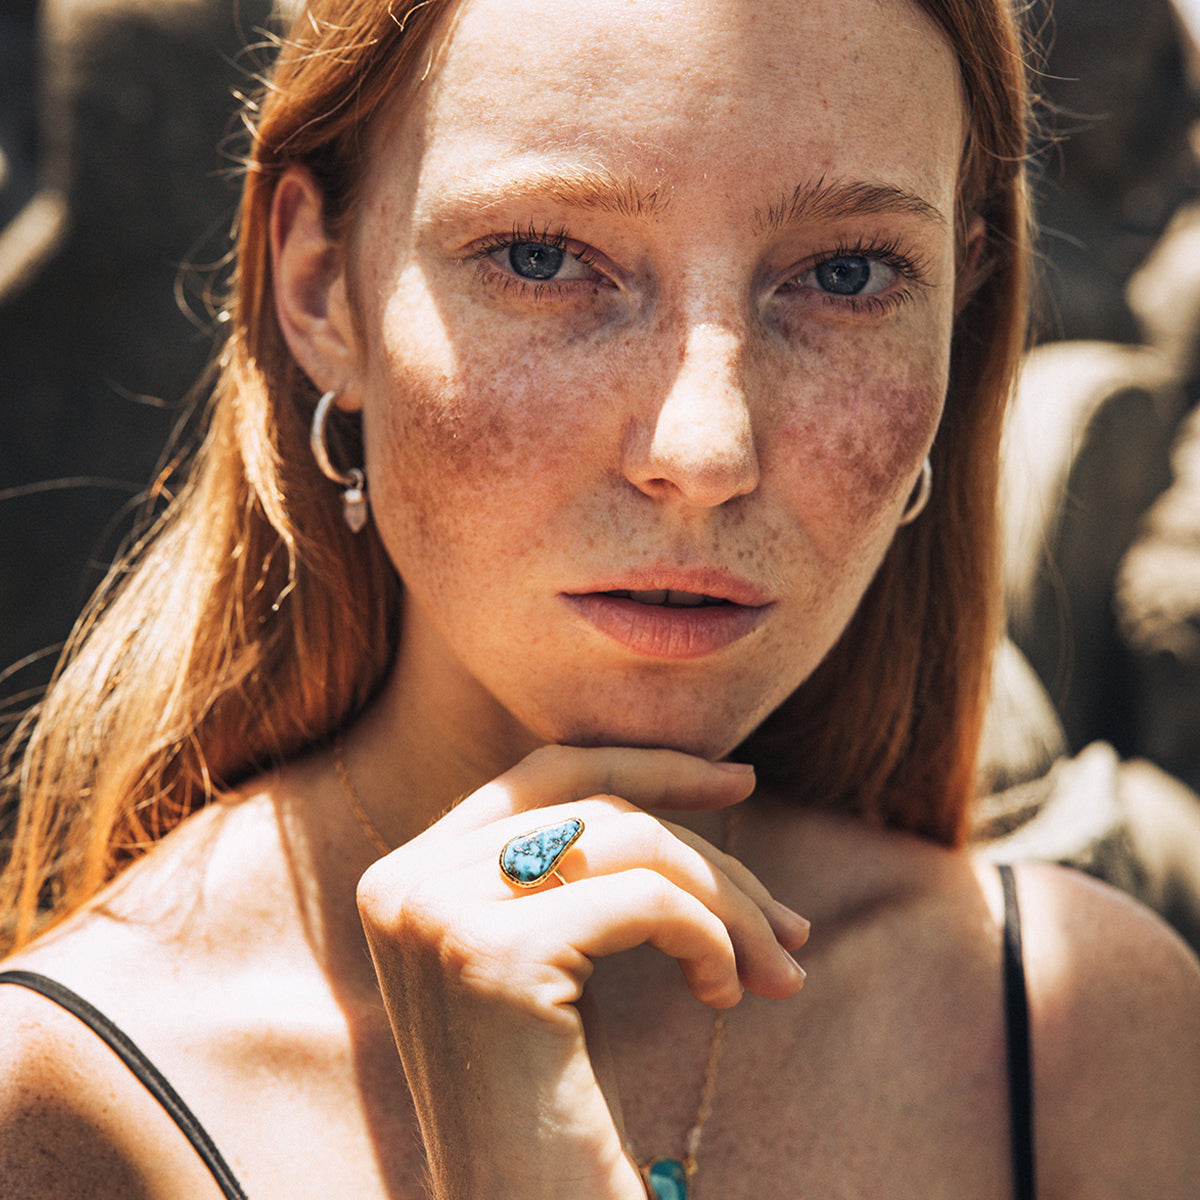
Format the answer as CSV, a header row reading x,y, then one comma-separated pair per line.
x,y
651,317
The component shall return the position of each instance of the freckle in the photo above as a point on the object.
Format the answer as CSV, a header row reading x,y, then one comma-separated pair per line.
x,y
497,436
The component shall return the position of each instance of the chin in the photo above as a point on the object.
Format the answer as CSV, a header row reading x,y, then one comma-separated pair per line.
x,y
709,719
712,743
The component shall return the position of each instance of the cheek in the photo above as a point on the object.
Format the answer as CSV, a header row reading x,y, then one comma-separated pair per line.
x,y
855,442
870,446
457,432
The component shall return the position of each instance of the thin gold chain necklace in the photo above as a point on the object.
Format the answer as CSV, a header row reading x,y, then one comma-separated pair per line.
x,y
365,823
664,1178
671,1178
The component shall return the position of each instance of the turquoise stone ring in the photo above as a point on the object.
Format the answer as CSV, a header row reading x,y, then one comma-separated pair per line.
x,y
531,858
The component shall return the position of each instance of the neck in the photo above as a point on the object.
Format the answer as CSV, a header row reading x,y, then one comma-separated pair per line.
x,y
408,761
423,745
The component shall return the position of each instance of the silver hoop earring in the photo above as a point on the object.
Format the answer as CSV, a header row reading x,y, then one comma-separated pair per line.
x,y
355,508
924,486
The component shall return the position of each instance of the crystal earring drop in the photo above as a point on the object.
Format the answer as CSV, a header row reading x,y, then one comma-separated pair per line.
x,y
355,507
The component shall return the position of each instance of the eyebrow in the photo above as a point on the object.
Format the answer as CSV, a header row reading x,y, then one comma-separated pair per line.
x,y
823,200
602,190
573,186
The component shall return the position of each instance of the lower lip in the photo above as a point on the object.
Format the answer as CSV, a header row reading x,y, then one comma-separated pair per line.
x,y
659,631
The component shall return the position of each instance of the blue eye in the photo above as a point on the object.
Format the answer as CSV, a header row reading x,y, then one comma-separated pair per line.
x,y
540,261
844,276
535,260
847,277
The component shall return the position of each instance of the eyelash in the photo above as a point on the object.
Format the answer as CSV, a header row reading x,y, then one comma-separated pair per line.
x,y
886,251
553,236
909,269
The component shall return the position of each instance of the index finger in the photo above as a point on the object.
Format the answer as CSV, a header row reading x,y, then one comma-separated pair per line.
x,y
663,779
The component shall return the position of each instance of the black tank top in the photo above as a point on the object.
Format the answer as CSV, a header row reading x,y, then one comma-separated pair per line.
x,y
1016,1015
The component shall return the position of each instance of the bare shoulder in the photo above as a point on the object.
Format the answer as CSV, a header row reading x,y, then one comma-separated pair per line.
x,y
71,1123
75,1121
1115,1006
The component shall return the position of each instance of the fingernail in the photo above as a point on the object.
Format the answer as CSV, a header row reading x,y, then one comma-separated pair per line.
x,y
735,768
796,968
790,928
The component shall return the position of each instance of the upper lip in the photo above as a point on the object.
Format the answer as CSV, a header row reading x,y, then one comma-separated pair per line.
x,y
701,581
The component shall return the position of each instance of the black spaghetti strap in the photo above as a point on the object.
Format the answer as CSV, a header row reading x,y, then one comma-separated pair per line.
x,y
146,1072
1016,1015
1020,1050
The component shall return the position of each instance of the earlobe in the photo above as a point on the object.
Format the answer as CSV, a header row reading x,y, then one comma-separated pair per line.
x,y
310,286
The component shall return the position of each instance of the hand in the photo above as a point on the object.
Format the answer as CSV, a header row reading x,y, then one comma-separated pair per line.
x,y
482,980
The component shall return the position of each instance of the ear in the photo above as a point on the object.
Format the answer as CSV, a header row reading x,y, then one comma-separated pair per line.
x,y
311,300
970,266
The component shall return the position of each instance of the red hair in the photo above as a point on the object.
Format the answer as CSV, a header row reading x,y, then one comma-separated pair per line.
x,y
888,726
250,625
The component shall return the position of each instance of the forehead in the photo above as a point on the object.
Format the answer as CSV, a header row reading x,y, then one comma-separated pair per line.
x,y
807,89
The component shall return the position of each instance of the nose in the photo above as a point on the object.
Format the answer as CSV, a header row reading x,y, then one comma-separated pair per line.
x,y
696,443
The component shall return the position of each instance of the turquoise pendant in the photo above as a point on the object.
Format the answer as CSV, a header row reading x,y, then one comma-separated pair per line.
x,y
533,857
667,1179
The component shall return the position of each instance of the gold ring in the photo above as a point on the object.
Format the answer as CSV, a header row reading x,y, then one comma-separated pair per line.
x,y
531,858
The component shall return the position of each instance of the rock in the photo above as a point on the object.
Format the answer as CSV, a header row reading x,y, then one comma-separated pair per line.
x,y
1158,606
96,355
1086,453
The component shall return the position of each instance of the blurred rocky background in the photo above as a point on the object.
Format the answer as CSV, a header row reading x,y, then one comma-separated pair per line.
x,y
118,142
1093,749
116,172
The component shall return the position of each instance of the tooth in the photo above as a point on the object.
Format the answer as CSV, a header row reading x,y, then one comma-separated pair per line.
x,y
686,599
654,597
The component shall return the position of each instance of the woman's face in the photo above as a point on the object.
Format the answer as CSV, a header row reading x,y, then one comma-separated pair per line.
x,y
654,302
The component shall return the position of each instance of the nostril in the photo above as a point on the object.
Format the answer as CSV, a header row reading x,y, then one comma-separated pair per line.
x,y
703,461
695,440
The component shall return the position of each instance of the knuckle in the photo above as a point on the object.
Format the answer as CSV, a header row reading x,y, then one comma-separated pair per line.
x,y
645,835
384,904
658,894
373,894
458,952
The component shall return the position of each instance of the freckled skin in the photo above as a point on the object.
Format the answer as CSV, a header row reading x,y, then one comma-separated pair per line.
x,y
687,406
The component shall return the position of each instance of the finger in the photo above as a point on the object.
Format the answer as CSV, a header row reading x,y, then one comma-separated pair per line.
x,y
621,835
617,836
611,913
729,891
790,928
664,779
